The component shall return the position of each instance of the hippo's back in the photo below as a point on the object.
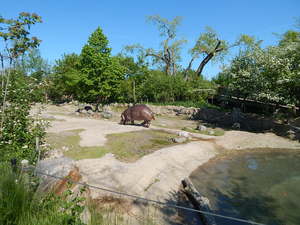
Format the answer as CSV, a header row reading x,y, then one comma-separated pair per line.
x,y
141,112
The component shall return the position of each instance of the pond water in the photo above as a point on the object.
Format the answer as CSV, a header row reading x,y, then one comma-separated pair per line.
x,y
263,187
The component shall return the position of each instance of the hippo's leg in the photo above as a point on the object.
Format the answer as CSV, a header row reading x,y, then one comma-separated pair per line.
x,y
146,123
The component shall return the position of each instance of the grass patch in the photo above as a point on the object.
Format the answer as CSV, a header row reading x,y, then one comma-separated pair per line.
x,y
128,146
173,122
216,132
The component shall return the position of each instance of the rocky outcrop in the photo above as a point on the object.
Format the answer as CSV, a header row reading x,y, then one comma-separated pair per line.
x,y
107,111
59,167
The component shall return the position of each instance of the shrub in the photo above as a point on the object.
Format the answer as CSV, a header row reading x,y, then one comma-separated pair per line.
x,y
18,129
20,204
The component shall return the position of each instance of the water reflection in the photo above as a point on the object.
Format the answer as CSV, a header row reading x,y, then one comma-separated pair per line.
x,y
263,187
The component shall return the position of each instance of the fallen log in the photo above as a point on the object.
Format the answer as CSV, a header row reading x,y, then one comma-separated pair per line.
x,y
199,202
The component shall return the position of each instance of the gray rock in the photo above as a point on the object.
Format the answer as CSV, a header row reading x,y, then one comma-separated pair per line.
x,y
236,126
179,139
90,112
201,127
291,134
107,115
84,112
183,134
59,167
211,132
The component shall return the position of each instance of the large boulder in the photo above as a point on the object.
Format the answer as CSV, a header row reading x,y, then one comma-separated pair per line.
x,y
209,115
59,167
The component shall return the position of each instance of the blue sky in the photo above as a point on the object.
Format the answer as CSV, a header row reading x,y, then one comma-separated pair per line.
x,y
67,24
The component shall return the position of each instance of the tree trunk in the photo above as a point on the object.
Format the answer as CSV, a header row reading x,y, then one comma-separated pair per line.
x,y
133,92
203,63
208,57
188,69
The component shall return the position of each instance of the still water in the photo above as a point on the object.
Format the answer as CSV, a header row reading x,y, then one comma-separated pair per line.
x,y
261,186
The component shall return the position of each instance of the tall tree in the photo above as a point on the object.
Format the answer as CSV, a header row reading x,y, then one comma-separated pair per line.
x,y
65,78
169,55
100,73
289,37
15,34
208,47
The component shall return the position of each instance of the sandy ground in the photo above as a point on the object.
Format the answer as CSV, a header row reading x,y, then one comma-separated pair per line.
x,y
156,175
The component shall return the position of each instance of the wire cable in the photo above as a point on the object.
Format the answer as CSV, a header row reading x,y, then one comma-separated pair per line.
x,y
145,199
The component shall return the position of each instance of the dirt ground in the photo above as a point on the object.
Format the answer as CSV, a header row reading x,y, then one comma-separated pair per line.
x,y
158,174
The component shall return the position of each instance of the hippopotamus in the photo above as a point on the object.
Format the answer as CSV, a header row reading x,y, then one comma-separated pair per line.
x,y
137,112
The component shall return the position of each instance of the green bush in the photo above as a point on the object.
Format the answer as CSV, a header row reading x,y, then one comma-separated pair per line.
x,y
18,129
20,204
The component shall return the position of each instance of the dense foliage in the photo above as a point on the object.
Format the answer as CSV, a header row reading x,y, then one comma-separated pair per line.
x,y
95,76
18,131
269,74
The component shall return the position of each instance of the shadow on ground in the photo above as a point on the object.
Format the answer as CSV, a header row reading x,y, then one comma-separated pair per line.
x,y
176,216
247,122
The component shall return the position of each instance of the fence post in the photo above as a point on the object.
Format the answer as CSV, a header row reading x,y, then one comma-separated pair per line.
x,y
37,149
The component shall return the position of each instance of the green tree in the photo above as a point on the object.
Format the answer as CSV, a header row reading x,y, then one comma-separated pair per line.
x,y
135,74
289,37
101,74
208,47
18,131
33,64
169,55
266,74
65,78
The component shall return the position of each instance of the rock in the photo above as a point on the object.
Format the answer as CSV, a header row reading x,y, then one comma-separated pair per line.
x,y
291,134
179,139
201,127
237,116
90,112
211,132
107,115
59,167
209,115
24,163
84,112
236,126
77,113
183,134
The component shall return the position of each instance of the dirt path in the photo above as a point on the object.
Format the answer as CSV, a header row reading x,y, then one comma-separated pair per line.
x,y
156,175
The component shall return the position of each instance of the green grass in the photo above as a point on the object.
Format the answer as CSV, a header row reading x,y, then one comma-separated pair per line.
x,y
20,204
217,131
128,146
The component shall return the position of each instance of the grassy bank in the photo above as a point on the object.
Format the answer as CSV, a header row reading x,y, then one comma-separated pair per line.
x,y
128,146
